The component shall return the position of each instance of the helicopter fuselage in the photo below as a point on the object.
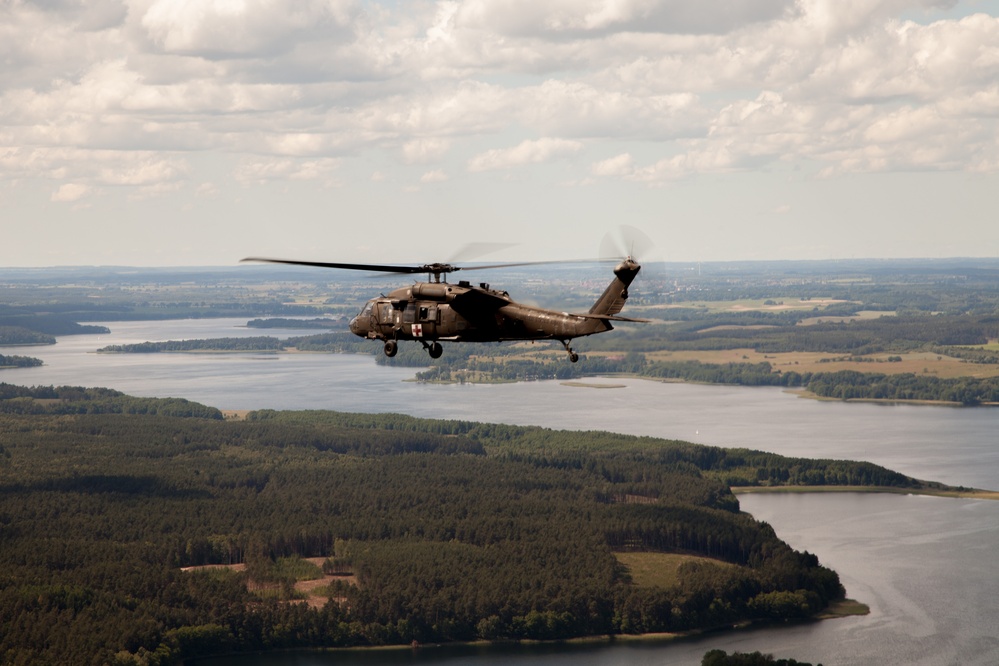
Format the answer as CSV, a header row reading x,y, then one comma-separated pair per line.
x,y
462,312
429,311
432,311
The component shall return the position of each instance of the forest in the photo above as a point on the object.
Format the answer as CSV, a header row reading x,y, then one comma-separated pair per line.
x,y
14,361
721,658
431,530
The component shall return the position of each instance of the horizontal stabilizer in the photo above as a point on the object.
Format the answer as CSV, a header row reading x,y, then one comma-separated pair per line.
x,y
606,317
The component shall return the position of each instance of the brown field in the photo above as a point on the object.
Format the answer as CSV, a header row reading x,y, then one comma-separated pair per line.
x,y
863,314
313,591
660,569
945,367
757,304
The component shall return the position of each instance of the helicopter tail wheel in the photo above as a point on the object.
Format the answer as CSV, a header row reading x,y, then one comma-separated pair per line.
x,y
435,350
391,347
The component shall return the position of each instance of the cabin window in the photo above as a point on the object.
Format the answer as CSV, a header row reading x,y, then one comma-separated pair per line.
x,y
409,314
384,313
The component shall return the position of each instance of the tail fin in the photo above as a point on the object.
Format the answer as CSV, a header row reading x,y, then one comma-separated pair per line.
x,y
612,300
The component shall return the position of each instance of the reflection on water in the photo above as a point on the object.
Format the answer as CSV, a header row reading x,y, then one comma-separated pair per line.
x,y
924,565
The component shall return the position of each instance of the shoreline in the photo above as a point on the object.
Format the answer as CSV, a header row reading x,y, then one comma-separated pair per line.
x,y
808,395
955,493
836,610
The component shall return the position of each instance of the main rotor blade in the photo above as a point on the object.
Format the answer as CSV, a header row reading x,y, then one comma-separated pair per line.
x,y
426,268
379,268
472,251
537,263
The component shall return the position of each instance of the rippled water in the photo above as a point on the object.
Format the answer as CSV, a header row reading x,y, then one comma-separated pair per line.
x,y
926,566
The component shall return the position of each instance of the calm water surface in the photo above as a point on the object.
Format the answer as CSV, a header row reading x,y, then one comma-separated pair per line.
x,y
926,566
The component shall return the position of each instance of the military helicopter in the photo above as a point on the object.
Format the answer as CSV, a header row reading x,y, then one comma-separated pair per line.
x,y
437,310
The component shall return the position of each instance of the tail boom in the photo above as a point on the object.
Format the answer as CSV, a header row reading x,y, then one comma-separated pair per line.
x,y
615,295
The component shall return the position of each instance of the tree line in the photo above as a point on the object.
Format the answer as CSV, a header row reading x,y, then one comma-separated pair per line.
x,y
78,400
18,362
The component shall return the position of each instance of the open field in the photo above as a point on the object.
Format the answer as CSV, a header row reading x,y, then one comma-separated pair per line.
x,y
758,304
945,367
312,587
844,608
649,569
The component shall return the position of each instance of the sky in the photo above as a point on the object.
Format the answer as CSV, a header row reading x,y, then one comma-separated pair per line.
x,y
198,132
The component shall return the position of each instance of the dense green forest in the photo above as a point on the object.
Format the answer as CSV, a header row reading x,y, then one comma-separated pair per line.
x,y
257,343
284,322
17,335
721,658
18,361
451,530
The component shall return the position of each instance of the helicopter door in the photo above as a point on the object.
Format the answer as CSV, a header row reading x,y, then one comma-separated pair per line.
x,y
427,317
383,317
409,314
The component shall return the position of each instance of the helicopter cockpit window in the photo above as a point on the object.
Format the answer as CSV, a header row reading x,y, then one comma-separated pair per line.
x,y
384,313
367,309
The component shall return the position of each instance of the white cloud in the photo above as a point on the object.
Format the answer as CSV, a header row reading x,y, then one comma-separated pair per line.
x,y
619,166
207,190
71,192
596,17
423,150
260,171
143,172
765,82
213,28
527,152
435,176
581,110
127,97
908,60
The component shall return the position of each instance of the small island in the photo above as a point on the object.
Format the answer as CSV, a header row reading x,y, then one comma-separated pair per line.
x,y
18,362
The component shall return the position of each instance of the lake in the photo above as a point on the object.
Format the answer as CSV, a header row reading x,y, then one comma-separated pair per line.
x,y
925,566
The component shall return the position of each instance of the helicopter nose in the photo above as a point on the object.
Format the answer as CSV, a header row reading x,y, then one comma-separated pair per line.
x,y
353,326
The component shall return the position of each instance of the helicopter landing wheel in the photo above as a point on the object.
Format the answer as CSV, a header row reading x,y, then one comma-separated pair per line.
x,y
573,356
391,347
435,350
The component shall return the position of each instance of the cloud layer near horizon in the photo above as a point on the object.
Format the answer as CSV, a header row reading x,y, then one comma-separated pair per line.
x,y
121,93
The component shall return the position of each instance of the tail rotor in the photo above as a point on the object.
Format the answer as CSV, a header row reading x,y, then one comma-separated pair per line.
x,y
627,242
